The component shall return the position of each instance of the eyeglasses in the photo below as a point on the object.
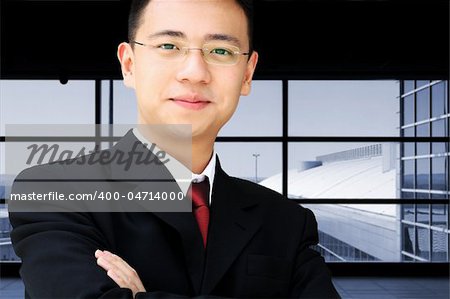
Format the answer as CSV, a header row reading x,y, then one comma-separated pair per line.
x,y
213,53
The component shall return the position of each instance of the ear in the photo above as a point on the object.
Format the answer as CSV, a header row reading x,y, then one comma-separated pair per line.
x,y
125,55
249,71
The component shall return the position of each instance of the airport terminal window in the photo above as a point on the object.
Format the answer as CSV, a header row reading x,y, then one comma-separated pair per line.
x,y
37,102
253,161
41,102
343,108
317,109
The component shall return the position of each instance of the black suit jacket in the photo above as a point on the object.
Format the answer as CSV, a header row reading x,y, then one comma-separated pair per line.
x,y
258,244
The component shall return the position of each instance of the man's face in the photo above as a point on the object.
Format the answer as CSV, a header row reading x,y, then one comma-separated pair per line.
x,y
189,90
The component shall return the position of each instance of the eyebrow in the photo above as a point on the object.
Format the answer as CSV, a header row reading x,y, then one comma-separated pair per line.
x,y
209,37
171,33
223,37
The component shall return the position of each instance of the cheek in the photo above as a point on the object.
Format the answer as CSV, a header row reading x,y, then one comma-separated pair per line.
x,y
150,85
228,107
230,92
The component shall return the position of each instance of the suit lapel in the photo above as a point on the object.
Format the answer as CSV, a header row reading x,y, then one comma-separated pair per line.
x,y
235,218
194,253
183,222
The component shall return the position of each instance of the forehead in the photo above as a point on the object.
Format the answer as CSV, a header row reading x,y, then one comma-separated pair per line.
x,y
195,18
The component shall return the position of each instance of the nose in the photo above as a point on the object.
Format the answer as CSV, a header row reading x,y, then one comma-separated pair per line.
x,y
194,68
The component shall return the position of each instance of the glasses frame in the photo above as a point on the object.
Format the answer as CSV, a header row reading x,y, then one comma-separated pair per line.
x,y
185,51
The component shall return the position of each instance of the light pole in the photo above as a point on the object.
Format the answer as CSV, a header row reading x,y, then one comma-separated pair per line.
x,y
256,167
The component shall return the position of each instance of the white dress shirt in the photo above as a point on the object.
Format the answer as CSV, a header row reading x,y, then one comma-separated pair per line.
x,y
174,166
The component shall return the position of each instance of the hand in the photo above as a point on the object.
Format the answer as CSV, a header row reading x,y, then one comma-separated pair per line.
x,y
122,273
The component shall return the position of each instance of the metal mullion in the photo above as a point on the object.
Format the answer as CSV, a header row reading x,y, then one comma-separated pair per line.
x,y
111,102
402,149
430,171
430,235
111,111
285,153
98,112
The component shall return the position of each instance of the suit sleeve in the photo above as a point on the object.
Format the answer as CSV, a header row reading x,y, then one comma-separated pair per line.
x,y
311,277
57,251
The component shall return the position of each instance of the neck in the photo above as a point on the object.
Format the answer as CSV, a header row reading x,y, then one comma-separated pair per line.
x,y
201,154
175,141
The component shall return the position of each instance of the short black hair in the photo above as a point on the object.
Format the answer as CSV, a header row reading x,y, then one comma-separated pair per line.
x,y
138,6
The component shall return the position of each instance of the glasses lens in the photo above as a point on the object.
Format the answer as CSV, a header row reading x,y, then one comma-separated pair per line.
x,y
220,54
169,50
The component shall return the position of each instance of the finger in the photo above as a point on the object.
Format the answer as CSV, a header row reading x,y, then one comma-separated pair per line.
x,y
122,271
115,268
117,279
98,253
119,272
121,264
102,262
118,262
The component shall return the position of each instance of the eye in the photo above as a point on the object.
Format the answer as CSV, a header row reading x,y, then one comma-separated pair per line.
x,y
221,51
167,46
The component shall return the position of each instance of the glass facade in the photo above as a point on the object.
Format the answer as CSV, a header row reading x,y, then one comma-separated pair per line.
x,y
425,170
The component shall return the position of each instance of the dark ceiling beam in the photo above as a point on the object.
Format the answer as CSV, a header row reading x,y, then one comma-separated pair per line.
x,y
306,39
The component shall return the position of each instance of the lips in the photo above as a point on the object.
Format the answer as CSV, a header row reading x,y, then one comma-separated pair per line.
x,y
193,102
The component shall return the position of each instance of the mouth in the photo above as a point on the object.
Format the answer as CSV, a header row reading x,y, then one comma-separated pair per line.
x,y
193,102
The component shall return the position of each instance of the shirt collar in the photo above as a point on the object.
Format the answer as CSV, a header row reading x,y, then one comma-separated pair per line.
x,y
174,167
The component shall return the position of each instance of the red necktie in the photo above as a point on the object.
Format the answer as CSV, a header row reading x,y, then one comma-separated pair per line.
x,y
200,198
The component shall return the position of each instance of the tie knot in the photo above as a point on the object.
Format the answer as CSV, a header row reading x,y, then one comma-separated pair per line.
x,y
200,193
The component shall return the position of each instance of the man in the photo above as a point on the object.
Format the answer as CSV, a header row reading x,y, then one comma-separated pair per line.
x,y
188,62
